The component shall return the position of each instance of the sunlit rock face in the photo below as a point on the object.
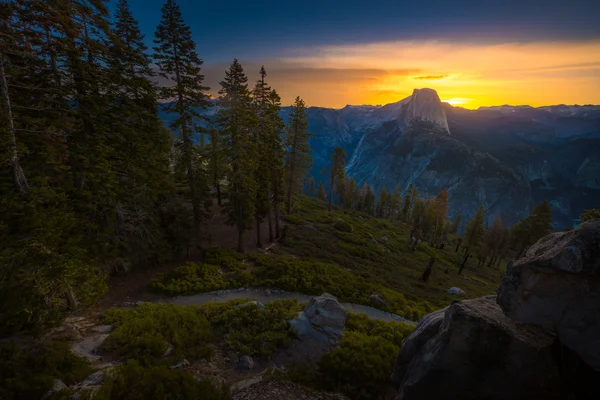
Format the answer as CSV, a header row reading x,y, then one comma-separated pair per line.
x,y
425,105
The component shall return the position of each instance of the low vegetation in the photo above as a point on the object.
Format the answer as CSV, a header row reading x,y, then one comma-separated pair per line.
x,y
362,363
29,371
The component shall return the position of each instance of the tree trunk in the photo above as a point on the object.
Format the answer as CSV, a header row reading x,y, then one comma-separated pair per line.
x,y
462,266
258,237
71,299
458,245
270,219
240,248
218,185
277,219
288,206
19,177
330,193
428,269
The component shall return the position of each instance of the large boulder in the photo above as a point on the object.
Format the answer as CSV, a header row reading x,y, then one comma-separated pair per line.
x,y
471,350
557,286
323,318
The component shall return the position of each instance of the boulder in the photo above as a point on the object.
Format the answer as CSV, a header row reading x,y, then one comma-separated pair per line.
x,y
557,286
323,318
246,362
376,300
456,291
471,350
181,364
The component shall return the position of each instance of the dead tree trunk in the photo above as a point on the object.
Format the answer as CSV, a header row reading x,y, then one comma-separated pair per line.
x,y
19,177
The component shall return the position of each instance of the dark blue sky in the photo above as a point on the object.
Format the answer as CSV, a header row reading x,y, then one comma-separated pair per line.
x,y
267,29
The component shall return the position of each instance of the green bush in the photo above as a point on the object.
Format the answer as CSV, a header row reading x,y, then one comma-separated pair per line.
x,y
132,381
144,333
343,226
294,219
392,331
197,278
252,330
360,367
28,372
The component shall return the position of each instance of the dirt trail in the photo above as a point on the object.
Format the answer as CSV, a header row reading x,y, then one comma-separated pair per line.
x,y
263,296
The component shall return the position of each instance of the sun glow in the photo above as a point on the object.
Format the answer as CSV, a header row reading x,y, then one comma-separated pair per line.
x,y
468,75
457,101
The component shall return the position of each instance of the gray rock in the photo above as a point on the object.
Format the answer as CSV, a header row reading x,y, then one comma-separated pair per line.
x,y
376,300
471,350
181,364
94,379
327,315
246,362
456,291
267,292
556,286
139,303
169,351
384,239
323,318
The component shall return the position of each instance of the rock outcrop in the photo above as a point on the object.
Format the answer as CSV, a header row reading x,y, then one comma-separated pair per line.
x,y
471,350
323,318
557,286
425,105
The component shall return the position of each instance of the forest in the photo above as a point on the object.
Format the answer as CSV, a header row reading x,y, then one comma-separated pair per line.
x,y
94,183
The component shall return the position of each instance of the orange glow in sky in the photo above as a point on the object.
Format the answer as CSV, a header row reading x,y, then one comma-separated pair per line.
x,y
466,75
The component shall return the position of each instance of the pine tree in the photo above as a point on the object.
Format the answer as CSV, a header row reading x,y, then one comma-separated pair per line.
x,y
261,139
337,174
276,160
531,229
237,121
382,203
312,189
177,61
456,223
408,203
321,194
441,209
298,159
217,161
473,235
369,206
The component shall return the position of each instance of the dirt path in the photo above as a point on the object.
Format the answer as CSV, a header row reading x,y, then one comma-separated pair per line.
x,y
263,296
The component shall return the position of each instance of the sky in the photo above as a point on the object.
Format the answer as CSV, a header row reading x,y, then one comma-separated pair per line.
x,y
334,53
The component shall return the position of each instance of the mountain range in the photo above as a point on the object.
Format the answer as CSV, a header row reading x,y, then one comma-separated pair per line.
x,y
507,158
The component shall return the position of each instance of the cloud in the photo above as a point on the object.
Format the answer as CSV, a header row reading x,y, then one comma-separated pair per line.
x,y
430,77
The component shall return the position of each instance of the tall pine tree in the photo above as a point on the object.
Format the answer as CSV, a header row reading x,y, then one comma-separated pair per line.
x,y
337,174
177,61
237,121
298,159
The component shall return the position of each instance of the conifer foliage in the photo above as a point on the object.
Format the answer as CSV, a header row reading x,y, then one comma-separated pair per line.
x,y
298,159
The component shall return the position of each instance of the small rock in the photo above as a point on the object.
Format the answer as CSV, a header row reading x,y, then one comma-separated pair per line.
x,y
456,291
94,379
267,292
139,303
376,300
56,387
257,303
169,350
384,239
246,362
181,364
102,328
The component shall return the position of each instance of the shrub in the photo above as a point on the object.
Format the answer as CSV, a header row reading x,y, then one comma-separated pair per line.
x,y
144,333
132,381
343,226
360,367
196,278
252,330
294,219
392,331
28,372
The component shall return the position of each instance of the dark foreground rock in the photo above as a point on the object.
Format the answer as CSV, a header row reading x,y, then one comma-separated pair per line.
x,y
557,286
471,350
323,318
278,390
